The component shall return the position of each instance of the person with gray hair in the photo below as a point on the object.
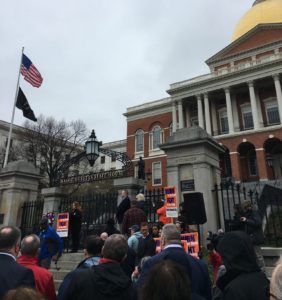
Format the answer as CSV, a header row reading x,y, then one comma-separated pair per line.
x,y
104,281
44,282
276,283
172,250
12,275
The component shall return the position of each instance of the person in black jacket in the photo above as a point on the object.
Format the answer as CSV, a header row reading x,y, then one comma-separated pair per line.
x,y
243,278
252,225
106,281
12,274
122,207
75,225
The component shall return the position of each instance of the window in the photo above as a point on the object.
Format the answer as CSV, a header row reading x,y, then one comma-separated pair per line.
x,y
114,158
223,121
272,113
247,117
157,173
252,162
155,137
194,121
103,159
139,141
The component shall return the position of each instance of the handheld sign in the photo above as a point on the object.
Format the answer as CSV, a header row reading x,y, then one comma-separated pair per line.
x,y
63,224
171,206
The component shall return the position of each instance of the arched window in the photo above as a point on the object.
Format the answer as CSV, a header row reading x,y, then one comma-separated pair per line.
x,y
139,140
156,137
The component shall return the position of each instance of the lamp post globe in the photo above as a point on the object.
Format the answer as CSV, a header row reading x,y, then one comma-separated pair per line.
x,y
92,148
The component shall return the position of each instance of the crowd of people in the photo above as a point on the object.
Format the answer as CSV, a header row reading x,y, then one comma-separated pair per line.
x,y
122,262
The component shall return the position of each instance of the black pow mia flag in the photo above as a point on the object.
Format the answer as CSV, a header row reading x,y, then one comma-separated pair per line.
x,y
23,104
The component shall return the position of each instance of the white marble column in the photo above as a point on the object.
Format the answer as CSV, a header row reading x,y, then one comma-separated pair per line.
x,y
207,113
180,115
174,121
235,113
214,119
229,110
253,104
200,112
278,95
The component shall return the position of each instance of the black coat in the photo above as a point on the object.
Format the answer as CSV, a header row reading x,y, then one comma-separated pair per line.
x,y
243,279
103,282
13,275
196,269
75,220
122,208
253,227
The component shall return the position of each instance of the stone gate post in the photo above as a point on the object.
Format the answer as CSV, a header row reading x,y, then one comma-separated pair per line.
x,y
18,183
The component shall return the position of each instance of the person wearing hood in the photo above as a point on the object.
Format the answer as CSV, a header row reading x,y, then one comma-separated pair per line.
x,y
134,238
243,279
105,281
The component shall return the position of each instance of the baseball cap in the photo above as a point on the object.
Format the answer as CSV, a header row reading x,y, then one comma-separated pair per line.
x,y
135,228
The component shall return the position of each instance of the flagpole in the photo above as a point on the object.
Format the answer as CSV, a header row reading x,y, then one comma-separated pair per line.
x,y
13,114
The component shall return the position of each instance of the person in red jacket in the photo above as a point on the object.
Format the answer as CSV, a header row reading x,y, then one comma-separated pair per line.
x,y
43,278
215,260
162,215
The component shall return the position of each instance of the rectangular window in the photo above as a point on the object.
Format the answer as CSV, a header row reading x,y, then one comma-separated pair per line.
x,y
247,117
253,166
224,128
114,158
103,159
272,113
157,173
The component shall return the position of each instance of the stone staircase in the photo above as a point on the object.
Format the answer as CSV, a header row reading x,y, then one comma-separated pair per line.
x,y
69,261
66,263
271,257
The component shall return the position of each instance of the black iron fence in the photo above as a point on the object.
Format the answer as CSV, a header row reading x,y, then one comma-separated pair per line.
x,y
99,208
268,203
31,215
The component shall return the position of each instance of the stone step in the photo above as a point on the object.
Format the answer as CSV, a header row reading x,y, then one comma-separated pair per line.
x,y
75,257
57,284
65,265
59,275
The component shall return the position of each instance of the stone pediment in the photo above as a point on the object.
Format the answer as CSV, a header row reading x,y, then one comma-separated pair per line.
x,y
259,36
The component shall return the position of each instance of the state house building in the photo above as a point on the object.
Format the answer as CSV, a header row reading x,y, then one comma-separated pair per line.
x,y
239,103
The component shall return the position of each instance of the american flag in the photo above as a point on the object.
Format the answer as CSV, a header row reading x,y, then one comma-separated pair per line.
x,y
30,73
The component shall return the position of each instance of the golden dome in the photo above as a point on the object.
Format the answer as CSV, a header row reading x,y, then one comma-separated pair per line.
x,y
262,12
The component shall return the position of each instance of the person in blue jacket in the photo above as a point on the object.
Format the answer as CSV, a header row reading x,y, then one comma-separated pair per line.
x,y
51,245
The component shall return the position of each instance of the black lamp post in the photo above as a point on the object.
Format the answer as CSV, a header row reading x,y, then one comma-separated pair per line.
x,y
92,148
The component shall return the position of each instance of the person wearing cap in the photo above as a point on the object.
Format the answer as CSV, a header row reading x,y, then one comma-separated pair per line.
x,y
134,238
51,245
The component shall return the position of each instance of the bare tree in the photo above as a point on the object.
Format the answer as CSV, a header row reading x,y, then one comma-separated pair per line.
x,y
50,142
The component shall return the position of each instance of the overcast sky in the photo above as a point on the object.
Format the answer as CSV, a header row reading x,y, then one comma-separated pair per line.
x,y
97,58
